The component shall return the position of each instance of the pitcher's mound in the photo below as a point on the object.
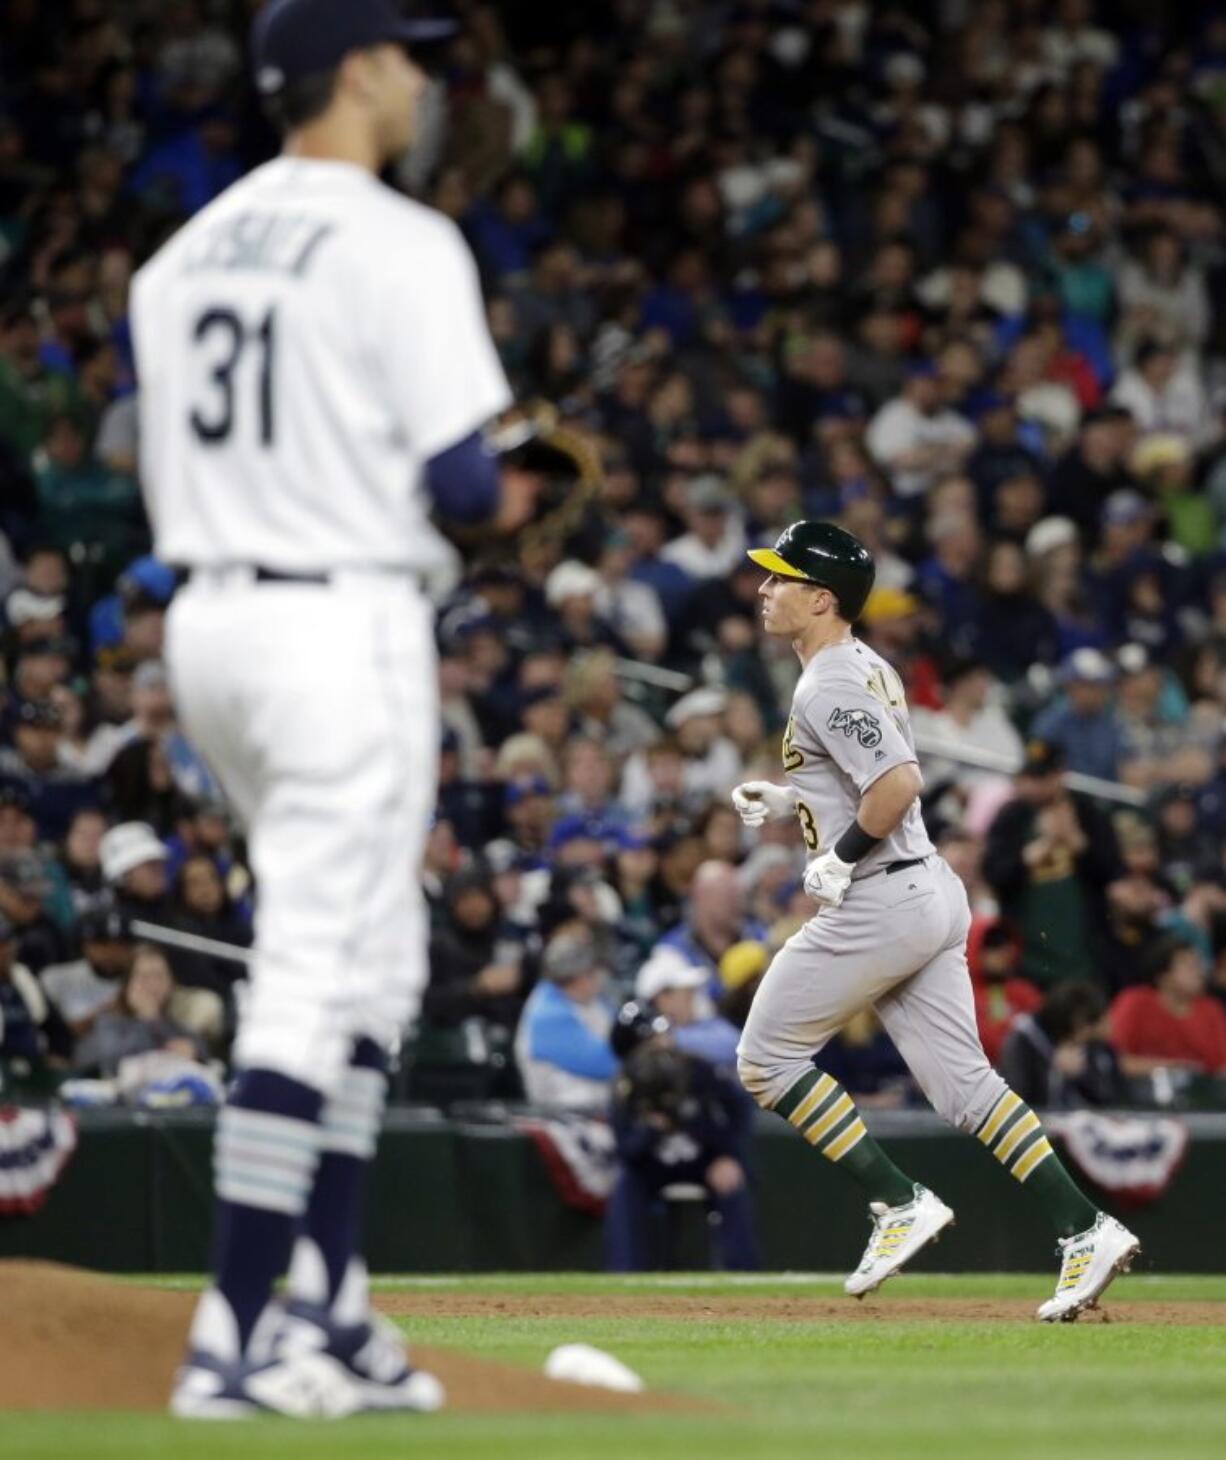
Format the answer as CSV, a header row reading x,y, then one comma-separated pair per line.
x,y
75,1340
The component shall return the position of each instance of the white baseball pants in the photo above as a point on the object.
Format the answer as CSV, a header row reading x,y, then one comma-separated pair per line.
x,y
316,707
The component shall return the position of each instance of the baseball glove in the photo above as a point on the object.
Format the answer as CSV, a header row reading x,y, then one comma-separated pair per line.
x,y
534,439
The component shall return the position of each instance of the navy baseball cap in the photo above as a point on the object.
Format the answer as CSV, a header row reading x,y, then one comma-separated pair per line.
x,y
291,39
519,790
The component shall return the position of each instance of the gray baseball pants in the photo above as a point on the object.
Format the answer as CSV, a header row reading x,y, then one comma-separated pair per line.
x,y
897,942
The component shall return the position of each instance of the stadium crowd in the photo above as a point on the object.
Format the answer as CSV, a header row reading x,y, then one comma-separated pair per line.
x,y
950,273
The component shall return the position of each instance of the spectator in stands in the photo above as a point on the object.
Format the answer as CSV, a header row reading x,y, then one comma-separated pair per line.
x,y
1059,1056
863,1059
1153,707
1050,855
1087,474
82,501
589,775
153,715
1184,849
140,1021
720,830
599,709
892,624
674,987
1171,1022
575,593
18,833
39,667
1084,722
1125,551
712,763
646,523
1163,393
740,972
31,1032
714,545
142,786
1137,903
916,437
84,988
964,853
1014,629
947,579
635,868
994,954
529,809
714,920
653,785
972,719
633,607
25,888
133,861
562,1046
55,790
31,616
1162,291
201,905
476,968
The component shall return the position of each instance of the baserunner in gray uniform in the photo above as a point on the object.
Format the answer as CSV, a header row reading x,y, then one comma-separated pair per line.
x,y
890,932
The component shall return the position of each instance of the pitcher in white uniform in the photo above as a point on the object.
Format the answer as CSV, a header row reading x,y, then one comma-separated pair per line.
x,y
890,933
314,368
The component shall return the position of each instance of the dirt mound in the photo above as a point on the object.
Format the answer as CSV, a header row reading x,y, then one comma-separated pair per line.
x,y
74,1340
887,1306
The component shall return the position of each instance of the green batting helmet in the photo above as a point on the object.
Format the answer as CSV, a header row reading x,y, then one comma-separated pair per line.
x,y
820,552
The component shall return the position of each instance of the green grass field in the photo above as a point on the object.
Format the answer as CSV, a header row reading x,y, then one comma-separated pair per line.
x,y
896,1387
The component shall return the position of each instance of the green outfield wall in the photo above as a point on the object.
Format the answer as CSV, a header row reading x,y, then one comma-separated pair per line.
x,y
473,1195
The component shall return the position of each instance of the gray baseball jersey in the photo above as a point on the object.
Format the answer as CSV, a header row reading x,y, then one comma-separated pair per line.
x,y
849,725
897,942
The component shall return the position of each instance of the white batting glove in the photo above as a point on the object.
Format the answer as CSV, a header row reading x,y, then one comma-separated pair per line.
x,y
827,878
760,801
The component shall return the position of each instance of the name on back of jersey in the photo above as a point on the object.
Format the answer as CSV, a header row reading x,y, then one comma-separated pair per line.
x,y
258,242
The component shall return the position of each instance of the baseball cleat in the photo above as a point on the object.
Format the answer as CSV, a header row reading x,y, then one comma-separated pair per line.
x,y
218,1380
372,1354
369,1348
1088,1263
898,1234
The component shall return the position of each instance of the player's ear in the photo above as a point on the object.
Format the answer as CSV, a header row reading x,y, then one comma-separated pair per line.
x,y
356,75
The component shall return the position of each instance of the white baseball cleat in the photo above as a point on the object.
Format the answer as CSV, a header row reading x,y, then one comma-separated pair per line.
x,y
1088,1262
373,1355
219,1380
898,1234
369,1347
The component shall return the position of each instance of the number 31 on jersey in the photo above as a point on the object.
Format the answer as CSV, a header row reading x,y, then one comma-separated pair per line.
x,y
223,337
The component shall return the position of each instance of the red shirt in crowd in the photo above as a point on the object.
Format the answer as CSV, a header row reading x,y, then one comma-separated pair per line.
x,y
998,1002
1142,1024
997,1006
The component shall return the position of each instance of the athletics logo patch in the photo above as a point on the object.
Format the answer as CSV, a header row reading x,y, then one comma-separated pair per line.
x,y
865,727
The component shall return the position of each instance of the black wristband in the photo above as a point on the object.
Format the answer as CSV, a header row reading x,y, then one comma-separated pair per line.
x,y
854,843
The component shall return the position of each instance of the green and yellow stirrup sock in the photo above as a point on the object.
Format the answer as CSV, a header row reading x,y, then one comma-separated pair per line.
x,y
1015,1136
825,1114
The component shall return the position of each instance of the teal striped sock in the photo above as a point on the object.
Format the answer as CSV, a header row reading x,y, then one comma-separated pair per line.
x,y
264,1158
